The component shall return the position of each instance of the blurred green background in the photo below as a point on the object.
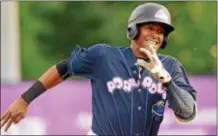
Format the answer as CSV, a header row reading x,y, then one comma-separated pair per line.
x,y
51,30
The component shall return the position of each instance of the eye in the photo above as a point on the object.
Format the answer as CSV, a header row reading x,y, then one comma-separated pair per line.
x,y
160,31
150,28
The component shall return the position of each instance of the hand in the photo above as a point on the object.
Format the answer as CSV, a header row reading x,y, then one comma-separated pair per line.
x,y
14,114
154,65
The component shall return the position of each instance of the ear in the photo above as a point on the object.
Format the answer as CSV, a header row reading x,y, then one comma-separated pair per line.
x,y
164,43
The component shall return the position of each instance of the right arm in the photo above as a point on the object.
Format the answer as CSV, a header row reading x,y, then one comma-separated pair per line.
x,y
81,62
53,76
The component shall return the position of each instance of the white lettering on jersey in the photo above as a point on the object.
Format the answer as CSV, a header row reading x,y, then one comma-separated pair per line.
x,y
130,84
118,82
147,82
111,86
127,86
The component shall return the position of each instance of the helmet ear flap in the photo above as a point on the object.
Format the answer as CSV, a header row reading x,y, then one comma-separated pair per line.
x,y
132,31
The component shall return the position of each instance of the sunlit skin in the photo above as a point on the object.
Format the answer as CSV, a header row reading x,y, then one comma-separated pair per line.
x,y
151,31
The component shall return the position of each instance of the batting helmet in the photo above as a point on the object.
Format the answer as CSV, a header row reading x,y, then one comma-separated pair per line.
x,y
148,13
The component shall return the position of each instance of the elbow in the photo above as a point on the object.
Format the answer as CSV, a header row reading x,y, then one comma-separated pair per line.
x,y
185,118
187,115
187,112
181,119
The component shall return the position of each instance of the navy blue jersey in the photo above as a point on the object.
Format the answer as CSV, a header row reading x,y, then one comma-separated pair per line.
x,y
126,99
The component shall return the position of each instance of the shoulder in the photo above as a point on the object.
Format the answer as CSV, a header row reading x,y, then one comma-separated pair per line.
x,y
170,62
168,59
106,49
98,46
102,46
96,49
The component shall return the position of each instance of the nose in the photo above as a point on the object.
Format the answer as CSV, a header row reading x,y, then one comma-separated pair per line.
x,y
153,36
154,32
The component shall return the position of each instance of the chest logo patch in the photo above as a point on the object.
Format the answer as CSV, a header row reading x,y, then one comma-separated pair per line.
x,y
158,110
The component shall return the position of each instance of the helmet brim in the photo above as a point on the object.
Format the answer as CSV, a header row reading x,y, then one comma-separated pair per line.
x,y
167,27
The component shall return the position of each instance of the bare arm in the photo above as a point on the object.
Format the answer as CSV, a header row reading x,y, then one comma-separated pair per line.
x,y
82,61
53,76
17,110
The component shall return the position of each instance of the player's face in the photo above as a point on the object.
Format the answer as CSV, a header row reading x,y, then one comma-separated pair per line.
x,y
152,34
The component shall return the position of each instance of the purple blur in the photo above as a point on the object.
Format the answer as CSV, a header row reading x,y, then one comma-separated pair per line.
x,y
61,106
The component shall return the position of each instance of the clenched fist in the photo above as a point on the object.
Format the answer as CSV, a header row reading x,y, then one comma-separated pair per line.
x,y
14,113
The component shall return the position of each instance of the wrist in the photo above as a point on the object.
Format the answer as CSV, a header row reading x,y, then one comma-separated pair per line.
x,y
33,92
162,75
22,101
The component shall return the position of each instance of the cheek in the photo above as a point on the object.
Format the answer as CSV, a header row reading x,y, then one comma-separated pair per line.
x,y
140,40
161,39
142,37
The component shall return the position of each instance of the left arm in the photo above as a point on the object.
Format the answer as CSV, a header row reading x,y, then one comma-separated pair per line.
x,y
180,94
181,101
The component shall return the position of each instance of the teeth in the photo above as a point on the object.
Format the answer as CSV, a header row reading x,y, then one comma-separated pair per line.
x,y
151,42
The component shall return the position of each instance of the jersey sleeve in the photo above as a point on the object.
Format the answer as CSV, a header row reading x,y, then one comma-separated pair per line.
x,y
82,61
180,77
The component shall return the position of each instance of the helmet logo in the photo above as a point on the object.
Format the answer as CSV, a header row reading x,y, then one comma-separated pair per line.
x,y
161,14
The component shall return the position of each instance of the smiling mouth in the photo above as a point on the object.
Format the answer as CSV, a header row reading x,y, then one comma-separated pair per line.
x,y
153,43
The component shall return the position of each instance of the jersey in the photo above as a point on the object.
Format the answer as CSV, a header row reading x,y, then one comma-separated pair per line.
x,y
126,99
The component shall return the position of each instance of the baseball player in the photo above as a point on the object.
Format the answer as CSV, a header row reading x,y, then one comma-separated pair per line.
x,y
130,86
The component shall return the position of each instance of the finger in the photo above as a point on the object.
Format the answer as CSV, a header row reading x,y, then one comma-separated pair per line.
x,y
145,51
17,120
151,48
6,119
142,63
4,115
8,124
14,117
149,45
